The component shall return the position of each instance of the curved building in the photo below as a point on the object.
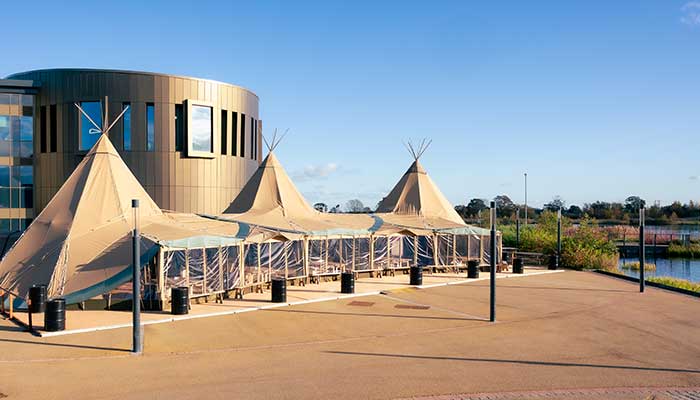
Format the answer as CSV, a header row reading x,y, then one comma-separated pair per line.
x,y
192,143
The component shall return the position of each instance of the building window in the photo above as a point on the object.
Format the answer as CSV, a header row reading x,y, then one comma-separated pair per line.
x,y
89,133
27,105
53,129
4,186
150,127
9,99
234,133
179,127
126,126
242,152
5,137
16,186
16,136
42,129
224,136
200,132
24,142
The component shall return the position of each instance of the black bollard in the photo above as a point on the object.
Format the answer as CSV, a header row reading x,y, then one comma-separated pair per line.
x,y
279,290
347,283
553,262
417,275
473,269
517,265
55,315
180,298
37,296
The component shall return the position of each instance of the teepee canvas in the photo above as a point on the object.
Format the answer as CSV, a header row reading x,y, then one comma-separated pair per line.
x,y
417,195
82,236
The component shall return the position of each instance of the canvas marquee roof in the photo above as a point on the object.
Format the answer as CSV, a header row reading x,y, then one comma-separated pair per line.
x,y
271,200
81,242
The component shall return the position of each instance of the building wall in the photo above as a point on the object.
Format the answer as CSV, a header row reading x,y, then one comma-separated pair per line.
x,y
175,180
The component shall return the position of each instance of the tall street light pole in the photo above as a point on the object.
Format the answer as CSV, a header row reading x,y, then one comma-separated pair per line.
x,y
137,347
526,199
642,252
494,256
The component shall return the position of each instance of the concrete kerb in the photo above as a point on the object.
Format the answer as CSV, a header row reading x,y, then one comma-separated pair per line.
x,y
279,305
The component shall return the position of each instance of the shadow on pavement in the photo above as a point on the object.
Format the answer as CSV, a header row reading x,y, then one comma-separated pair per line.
x,y
523,362
376,315
77,346
561,288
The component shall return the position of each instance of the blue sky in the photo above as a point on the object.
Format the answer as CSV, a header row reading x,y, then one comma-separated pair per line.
x,y
593,99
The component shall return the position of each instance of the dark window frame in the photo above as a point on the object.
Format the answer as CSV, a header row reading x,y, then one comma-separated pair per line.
x,y
224,133
42,129
53,129
242,149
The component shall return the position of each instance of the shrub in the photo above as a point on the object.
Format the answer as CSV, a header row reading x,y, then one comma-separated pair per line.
x,y
679,283
635,266
678,250
583,247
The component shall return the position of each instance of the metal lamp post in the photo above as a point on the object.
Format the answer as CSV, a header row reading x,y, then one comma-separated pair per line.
x,y
526,199
558,237
517,227
494,256
137,347
642,255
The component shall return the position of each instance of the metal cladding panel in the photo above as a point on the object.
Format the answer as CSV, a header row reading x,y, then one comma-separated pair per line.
x,y
207,185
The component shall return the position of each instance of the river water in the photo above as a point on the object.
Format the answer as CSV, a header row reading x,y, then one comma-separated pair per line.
x,y
682,268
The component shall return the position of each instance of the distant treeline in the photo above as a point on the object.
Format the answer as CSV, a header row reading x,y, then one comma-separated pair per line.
x,y
478,209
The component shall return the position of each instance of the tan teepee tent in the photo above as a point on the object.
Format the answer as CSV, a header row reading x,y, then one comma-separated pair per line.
x,y
79,238
417,198
270,199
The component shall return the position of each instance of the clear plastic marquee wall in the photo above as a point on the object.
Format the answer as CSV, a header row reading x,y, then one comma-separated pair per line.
x,y
211,269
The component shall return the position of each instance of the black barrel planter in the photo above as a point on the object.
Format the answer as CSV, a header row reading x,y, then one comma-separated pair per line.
x,y
553,261
517,265
417,275
55,315
347,282
37,297
180,297
279,290
473,269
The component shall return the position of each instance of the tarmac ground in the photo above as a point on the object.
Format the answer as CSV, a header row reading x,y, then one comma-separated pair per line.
x,y
569,335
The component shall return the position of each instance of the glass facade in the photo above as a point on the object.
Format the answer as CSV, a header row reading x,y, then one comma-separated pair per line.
x,y
89,133
201,125
150,127
16,136
16,169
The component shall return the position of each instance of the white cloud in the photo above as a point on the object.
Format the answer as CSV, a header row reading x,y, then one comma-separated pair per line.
x,y
691,13
311,172
694,178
